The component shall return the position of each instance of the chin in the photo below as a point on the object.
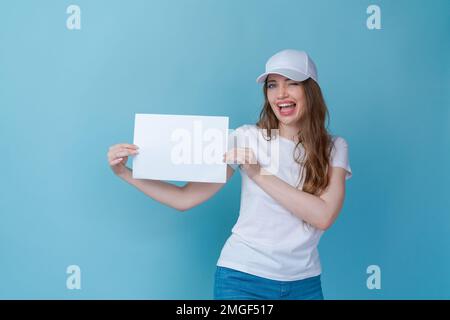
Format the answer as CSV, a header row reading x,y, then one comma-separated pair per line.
x,y
288,121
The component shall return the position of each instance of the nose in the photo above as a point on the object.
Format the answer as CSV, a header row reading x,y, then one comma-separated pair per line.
x,y
282,91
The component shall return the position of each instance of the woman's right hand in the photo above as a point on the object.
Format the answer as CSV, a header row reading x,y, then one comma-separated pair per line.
x,y
118,156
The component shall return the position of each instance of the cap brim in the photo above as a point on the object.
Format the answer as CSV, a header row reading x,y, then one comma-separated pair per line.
x,y
288,73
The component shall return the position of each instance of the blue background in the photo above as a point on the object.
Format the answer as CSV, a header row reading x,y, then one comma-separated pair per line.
x,y
66,96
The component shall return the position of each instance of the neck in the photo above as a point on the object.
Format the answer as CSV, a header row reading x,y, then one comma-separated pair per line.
x,y
289,132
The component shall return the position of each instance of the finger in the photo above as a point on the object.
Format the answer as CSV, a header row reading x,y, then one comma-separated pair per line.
x,y
122,152
127,150
242,158
248,156
118,149
234,152
233,159
125,153
123,145
116,161
228,159
250,160
230,155
128,145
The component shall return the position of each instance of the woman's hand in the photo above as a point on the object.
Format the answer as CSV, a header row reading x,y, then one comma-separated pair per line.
x,y
246,159
118,156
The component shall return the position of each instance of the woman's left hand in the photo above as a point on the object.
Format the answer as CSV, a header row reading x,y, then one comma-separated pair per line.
x,y
246,159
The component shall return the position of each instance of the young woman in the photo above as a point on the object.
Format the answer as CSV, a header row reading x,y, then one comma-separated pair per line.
x,y
272,251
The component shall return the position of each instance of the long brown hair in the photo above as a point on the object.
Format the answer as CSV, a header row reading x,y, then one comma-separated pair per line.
x,y
313,135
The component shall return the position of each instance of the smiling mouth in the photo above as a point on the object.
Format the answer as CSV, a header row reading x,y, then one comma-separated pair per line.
x,y
286,109
286,106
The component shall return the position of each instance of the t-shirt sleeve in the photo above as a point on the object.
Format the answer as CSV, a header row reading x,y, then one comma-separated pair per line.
x,y
339,156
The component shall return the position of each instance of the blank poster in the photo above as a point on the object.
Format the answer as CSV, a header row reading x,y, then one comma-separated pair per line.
x,y
180,147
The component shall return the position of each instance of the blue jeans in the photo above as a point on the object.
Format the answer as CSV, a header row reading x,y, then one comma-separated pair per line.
x,y
231,284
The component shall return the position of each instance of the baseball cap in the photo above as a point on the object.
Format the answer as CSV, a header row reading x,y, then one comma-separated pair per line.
x,y
293,64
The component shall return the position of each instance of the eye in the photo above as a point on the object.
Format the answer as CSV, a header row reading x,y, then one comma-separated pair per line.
x,y
294,83
270,86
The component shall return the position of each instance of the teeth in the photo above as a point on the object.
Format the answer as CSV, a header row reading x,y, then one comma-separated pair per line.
x,y
284,105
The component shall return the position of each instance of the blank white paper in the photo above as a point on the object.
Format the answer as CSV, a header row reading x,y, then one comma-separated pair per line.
x,y
180,147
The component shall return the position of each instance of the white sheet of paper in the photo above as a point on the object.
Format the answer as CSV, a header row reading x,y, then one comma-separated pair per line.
x,y
180,147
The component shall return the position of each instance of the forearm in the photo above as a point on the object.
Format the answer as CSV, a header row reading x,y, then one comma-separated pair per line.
x,y
163,192
306,206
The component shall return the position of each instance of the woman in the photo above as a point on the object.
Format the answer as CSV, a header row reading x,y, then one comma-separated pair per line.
x,y
272,251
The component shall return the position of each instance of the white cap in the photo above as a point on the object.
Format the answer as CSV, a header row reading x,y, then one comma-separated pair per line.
x,y
292,64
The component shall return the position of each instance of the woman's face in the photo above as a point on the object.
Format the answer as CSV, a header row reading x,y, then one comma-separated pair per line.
x,y
286,97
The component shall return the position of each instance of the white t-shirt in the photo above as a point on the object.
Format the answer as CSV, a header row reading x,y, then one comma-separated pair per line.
x,y
268,240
